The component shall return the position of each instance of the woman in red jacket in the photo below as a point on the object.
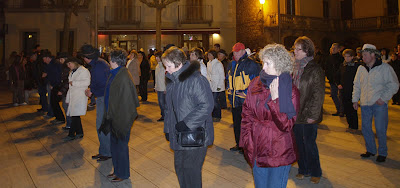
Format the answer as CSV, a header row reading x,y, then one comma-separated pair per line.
x,y
269,113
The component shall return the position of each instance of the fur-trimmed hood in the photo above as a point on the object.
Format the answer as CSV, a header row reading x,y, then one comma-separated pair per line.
x,y
188,69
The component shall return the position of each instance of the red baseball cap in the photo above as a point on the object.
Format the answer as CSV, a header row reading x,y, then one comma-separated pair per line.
x,y
237,47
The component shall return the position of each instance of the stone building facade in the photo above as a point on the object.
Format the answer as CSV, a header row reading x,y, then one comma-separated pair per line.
x,y
349,22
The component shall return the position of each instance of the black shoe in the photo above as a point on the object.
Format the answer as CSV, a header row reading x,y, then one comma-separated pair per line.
x,y
66,128
235,148
336,114
40,110
161,119
68,138
380,159
96,156
216,119
241,151
79,136
367,154
57,122
103,158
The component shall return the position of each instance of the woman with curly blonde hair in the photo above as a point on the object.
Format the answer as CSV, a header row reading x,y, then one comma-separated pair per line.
x,y
266,133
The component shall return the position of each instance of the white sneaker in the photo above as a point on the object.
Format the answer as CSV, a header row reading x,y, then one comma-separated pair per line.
x,y
15,104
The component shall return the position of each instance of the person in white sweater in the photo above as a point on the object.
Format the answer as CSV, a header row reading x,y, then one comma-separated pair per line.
x,y
160,84
216,77
374,85
196,54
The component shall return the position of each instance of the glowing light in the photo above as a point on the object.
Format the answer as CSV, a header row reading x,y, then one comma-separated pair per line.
x,y
215,35
30,36
262,2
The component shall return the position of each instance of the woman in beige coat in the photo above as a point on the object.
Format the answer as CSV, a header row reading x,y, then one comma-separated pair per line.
x,y
79,81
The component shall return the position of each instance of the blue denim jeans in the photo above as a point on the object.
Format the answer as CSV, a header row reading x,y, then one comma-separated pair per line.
x,y
65,107
271,177
306,135
104,148
120,155
161,102
335,96
216,113
380,115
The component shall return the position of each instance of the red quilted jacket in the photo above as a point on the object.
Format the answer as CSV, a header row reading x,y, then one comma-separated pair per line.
x,y
266,134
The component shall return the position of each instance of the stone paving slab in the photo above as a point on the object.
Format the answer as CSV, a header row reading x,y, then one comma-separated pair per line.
x,y
32,153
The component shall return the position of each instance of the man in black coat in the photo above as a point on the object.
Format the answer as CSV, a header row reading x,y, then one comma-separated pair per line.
x,y
332,65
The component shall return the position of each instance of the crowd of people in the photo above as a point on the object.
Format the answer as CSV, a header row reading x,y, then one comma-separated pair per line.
x,y
275,96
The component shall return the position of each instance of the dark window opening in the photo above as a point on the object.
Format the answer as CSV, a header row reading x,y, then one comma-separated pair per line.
x,y
290,7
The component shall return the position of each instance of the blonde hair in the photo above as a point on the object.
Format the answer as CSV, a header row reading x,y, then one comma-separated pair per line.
x,y
279,56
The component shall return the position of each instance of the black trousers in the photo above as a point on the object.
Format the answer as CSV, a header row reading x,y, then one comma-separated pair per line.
x,y
143,88
188,165
351,114
237,120
55,104
76,126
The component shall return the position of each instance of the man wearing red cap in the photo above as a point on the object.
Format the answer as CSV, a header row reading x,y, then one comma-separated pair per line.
x,y
243,70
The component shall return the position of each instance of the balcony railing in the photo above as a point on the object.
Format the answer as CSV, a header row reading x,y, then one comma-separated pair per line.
x,y
41,4
303,22
195,14
122,15
324,24
373,23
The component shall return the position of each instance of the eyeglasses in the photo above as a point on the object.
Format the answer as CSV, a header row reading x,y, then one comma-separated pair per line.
x,y
297,49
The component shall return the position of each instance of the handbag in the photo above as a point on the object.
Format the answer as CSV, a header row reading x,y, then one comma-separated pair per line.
x,y
190,138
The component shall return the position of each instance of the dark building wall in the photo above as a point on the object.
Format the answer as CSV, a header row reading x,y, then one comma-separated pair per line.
x,y
249,23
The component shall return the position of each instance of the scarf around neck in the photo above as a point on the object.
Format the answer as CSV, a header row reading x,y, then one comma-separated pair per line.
x,y
299,69
284,91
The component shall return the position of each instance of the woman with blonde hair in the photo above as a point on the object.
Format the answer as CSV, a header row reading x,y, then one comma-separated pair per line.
x,y
269,113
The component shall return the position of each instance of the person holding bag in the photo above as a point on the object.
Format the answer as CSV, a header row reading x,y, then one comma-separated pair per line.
x,y
188,123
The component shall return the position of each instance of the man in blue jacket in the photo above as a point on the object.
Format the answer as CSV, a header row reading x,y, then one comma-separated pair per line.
x,y
99,70
242,71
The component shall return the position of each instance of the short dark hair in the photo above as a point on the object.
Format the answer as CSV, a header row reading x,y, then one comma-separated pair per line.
x,y
198,52
213,53
158,54
74,60
89,51
349,52
174,55
306,44
46,53
118,56
217,45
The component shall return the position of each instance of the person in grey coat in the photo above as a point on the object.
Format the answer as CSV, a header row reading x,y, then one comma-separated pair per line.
x,y
189,105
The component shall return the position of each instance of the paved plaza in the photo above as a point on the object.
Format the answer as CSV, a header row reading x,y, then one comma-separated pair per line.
x,y
32,153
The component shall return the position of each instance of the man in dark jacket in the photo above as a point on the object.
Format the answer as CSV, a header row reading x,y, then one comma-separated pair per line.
x,y
53,72
61,57
332,64
189,106
242,70
99,72
395,63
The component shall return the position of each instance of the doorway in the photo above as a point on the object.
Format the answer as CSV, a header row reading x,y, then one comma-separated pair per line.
x,y
29,40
